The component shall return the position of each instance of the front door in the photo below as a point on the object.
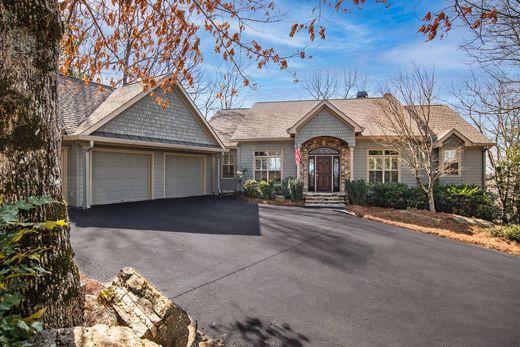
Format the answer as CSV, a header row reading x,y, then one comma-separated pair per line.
x,y
323,174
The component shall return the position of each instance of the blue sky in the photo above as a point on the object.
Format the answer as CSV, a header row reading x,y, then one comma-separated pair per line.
x,y
377,41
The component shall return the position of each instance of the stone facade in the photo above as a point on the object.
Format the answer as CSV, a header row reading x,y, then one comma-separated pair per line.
x,y
330,142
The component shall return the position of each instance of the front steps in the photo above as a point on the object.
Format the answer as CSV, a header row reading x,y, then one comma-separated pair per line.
x,y
324,199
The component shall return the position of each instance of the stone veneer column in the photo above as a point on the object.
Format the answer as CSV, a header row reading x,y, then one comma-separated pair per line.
x,y
331,142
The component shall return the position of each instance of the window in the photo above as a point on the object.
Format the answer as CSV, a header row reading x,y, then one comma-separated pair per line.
x,y
383,166
268,166
228,165
451,162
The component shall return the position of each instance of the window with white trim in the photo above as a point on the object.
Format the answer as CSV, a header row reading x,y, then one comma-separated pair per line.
x,y
228,165
268,166
451,162
383,166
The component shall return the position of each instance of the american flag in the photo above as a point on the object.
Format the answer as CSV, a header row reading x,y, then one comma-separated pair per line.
x,y
297,156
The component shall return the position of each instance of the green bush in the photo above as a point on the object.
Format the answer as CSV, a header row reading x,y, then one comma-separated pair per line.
x,y
509,232
17,264
251,188
466,200
295,188
279,189
266,189
285,187
395,195
357,191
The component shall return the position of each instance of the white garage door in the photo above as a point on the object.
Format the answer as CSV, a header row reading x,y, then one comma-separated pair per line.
x,y
183,176
120,177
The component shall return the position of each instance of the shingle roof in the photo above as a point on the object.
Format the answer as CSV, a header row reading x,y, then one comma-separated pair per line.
x,y
266,120
225,122
77,100
445,119
118,98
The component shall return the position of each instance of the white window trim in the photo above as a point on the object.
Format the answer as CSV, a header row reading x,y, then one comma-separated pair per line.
x,y
383,149
253,166
459,161
234,165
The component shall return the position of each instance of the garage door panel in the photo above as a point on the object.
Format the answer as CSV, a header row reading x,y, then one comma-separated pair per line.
x,y
120,177
184,176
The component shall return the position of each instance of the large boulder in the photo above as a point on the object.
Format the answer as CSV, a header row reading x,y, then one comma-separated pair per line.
x,y
99,335
150,314
98,312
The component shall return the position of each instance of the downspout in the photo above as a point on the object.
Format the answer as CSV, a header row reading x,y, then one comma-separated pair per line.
x,y
484,150
219,191
86,181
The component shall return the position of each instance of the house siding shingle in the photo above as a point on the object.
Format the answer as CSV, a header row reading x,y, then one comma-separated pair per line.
x,y
246,156
471,168
361,163
325,124
147,118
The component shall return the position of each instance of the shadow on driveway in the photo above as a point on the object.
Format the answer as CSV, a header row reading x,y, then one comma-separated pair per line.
x,y
201,215
255,332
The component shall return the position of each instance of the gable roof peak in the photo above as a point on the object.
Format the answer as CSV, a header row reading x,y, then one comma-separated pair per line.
x,y
314,111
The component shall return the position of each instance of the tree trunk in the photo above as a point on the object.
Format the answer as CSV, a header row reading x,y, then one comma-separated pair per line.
x,y
30,144
431,201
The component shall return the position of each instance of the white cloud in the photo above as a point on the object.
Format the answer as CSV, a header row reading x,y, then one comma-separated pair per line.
x,y
443,55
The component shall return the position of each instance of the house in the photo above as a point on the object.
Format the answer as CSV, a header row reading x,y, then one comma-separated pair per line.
x,y
120,145
337,140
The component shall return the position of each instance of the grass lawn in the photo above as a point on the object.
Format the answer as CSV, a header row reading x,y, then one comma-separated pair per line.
x,y
440,224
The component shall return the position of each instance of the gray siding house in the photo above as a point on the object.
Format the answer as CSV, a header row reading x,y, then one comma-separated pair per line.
x,y
120,145
336,140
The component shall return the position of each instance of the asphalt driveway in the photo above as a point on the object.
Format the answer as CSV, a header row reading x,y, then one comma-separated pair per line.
x,y
282,276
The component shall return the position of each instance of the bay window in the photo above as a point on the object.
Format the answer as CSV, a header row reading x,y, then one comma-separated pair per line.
x,y
268,166
383,166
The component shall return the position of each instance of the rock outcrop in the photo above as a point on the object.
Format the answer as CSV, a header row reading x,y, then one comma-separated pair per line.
x,y
96,336
145,310
129,312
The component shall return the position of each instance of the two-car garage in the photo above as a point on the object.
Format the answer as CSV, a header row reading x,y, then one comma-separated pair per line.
x,y
124,176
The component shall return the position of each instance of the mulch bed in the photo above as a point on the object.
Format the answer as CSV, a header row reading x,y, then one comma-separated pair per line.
x,y
440,224
299,203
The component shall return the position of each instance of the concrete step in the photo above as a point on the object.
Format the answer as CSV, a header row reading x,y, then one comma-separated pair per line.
x,y
329,198
324,205
323,194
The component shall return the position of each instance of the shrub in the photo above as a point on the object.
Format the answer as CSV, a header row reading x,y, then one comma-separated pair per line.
x,y
17,264
395,195
466,200
279,189
251,188
285,187
357,191
266,189
295,187
509,232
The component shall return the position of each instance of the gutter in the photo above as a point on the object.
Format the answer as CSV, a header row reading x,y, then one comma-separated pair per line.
x,y
107,140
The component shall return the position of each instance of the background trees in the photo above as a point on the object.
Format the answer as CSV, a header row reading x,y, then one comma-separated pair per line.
x,y
327,84
492,104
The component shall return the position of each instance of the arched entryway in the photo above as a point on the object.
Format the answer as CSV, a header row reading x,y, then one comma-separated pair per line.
x,y
325,164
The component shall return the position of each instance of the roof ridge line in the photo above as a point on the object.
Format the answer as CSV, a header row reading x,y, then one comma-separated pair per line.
x,y
86,81
317,100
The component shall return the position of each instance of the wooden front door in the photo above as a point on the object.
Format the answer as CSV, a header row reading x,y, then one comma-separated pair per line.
x,y
323,174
